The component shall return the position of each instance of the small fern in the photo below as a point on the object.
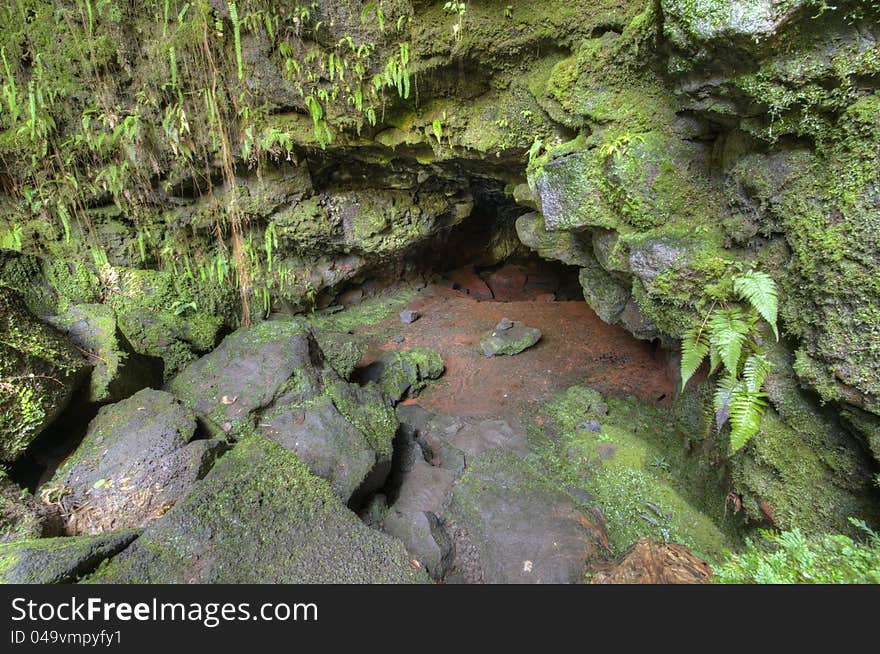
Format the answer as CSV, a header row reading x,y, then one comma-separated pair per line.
x,y
759,290
728,335
694,349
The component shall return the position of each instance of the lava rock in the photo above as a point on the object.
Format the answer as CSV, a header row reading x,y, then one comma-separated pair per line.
x,y
409,316
511,341
510,525
119,371
58,560
341,351
136,461
39,371
244,373
260,516
405,373
329,444
23,516
472,468
413,517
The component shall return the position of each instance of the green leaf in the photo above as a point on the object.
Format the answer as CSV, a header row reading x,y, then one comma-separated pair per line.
x,y
746,408
759,290
694,348
727,333
755,371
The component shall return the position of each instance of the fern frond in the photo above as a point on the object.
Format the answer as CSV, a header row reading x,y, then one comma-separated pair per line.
x,y
727,333
755,371
746,408
759,290
694,348
714,361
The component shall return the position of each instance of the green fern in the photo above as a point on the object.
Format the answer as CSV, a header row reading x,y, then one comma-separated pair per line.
x,y
746,409
729,337
759,290
694,348
728,329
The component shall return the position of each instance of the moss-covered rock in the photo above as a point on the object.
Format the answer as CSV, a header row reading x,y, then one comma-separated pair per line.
x,y
406,372
632,461
244,373
58,560
343,352
136,461
572,248
166,316
118,370
39,371
511,525
513,339
228,531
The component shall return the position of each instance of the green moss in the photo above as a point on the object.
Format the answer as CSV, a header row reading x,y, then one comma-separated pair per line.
x,y
637,459
342,351
232,520
174,318
366,314
39,369
370,412
409,371
804,483
58,560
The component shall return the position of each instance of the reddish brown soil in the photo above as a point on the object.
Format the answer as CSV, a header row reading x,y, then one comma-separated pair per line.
x,y
576,348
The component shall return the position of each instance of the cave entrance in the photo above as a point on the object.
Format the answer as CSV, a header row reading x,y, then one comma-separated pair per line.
x,y
481,257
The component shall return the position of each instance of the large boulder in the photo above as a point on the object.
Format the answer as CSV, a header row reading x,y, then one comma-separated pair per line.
x,y
58,560
244,373
39,372
137,460
333,448
260,516
277,372
118,370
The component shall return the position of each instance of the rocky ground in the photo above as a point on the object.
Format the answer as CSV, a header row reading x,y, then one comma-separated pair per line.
x,y
302,451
